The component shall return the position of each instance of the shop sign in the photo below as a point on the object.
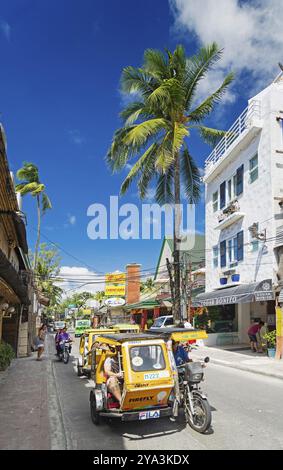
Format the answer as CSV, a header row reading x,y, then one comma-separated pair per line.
x,y
115,302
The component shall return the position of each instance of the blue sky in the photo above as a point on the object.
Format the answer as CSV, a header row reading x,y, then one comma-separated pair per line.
x,y
59,98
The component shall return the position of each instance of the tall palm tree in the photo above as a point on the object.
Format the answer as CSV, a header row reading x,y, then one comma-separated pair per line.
x,y
31,184
99,296
156,127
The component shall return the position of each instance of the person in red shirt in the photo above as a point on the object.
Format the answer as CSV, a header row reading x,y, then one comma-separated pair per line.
x,y
252,332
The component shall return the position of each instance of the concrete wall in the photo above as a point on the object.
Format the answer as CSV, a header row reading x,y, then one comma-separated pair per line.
x,y
257,199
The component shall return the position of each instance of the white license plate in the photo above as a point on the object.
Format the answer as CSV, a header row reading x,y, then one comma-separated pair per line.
x,y
153,414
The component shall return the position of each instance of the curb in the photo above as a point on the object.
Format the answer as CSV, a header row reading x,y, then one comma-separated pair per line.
x,y
246,368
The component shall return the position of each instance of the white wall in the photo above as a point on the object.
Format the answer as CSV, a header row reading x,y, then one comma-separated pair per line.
x,y
257,199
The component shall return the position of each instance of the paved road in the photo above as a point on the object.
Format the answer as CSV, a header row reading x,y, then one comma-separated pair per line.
x,y
246,415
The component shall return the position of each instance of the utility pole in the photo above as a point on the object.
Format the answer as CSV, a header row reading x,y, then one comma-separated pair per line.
x,y
172,287
184,296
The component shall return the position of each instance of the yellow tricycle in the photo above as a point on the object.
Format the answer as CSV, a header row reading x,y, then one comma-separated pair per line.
x,y
136,378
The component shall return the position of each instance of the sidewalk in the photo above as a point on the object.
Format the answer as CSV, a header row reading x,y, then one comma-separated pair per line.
x,y
23,405
243,360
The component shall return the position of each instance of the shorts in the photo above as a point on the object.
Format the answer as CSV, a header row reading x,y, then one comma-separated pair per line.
x,y
253,338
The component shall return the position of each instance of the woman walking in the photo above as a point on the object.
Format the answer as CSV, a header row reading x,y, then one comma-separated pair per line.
x,y
40,339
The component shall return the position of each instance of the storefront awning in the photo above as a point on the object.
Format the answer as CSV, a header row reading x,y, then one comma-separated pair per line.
x,y
243,293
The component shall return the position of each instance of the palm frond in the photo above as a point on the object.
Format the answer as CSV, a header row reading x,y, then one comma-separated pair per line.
x,y
211,136
139,134
137,80
179,134
155,64
197,68
190,177
30,188
138,167
164,189
207,106
45,203
146,176
28,173
132,112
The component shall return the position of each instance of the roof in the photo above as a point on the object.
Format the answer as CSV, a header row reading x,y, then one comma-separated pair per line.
x,y
196,254
123,337
146,304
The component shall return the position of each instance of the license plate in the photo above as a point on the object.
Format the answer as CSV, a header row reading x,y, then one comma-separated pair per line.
x,y
149,414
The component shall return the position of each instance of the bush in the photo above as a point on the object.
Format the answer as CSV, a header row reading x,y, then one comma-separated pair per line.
x,y
270,338
6,355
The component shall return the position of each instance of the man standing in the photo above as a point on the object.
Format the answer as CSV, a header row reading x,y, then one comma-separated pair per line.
x,y
252,332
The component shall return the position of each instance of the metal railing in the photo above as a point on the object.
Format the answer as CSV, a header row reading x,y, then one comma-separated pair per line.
x,y
244,122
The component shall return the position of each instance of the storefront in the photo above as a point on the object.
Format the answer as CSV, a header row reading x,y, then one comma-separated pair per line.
x,y
226,314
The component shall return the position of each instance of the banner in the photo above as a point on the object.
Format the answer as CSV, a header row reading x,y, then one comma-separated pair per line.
x,y
113,290
279,322
115,278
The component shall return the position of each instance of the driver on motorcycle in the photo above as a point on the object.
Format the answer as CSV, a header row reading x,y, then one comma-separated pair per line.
x,y
64,336
180,354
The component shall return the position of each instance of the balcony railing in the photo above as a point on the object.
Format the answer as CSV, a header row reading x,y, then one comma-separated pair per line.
x,y
244,122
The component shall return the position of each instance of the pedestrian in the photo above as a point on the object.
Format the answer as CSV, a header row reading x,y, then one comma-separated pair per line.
x,y
252,333
40,341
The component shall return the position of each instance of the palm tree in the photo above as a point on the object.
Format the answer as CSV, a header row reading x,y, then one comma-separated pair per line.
x,y
148,285
99,296
156,127
31,184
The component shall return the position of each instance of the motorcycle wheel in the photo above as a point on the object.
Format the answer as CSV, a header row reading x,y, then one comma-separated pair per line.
x,y
79,370
66,357
93,411
201,420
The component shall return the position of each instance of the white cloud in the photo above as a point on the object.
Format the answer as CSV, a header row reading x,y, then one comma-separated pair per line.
x,y
76,137
249,32
72,219
74,277
5,29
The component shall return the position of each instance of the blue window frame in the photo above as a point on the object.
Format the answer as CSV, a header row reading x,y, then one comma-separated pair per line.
x,y
240,180
223,195
223,254
240,246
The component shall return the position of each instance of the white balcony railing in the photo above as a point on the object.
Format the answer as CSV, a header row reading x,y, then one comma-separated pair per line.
x,y
245,121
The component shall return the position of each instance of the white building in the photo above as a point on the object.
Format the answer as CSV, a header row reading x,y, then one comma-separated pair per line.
x,y
244,216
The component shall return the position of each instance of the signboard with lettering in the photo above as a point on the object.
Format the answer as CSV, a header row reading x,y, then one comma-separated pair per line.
x,y
115,284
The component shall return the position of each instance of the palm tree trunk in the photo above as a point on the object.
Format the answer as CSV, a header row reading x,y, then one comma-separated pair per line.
x,y
38,233
176,253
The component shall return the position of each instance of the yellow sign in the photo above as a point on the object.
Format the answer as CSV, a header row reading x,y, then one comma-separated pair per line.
x,y
114,290
87,311
279,322
115,278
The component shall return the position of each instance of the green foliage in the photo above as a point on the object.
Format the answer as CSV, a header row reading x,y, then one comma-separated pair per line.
x,y
47,274
31,184
6,355
148,285
157,125
270,338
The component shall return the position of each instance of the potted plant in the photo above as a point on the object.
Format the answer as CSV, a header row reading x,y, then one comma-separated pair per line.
x,y
270,339
6,355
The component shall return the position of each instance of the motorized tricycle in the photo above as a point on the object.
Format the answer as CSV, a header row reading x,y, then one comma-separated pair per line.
x,y
152,386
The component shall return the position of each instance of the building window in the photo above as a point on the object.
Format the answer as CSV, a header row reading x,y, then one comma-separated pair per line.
x,y
253,168
229,190
223,254
232,250
240,180
215,256
254,241
223,195
215,201
240,246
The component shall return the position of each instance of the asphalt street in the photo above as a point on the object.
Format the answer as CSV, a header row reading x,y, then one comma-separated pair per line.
x,y
246,414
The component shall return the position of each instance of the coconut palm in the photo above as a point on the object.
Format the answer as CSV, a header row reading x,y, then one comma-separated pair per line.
x,y
157,125
99,296
148,285
31,184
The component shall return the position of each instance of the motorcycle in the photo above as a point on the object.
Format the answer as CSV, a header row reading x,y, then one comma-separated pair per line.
x,y
64,349
194,402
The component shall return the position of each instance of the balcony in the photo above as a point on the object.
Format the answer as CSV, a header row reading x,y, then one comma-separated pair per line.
x,y
229,215
244,129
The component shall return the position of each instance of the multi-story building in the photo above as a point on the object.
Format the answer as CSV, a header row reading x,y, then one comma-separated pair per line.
x,y
15,274
244,218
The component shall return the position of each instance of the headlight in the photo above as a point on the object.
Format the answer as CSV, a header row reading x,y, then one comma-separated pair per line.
x,y
196,377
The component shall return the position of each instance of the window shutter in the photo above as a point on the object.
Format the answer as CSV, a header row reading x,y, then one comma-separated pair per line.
x,y
223,194
223,254
240,246
240,180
